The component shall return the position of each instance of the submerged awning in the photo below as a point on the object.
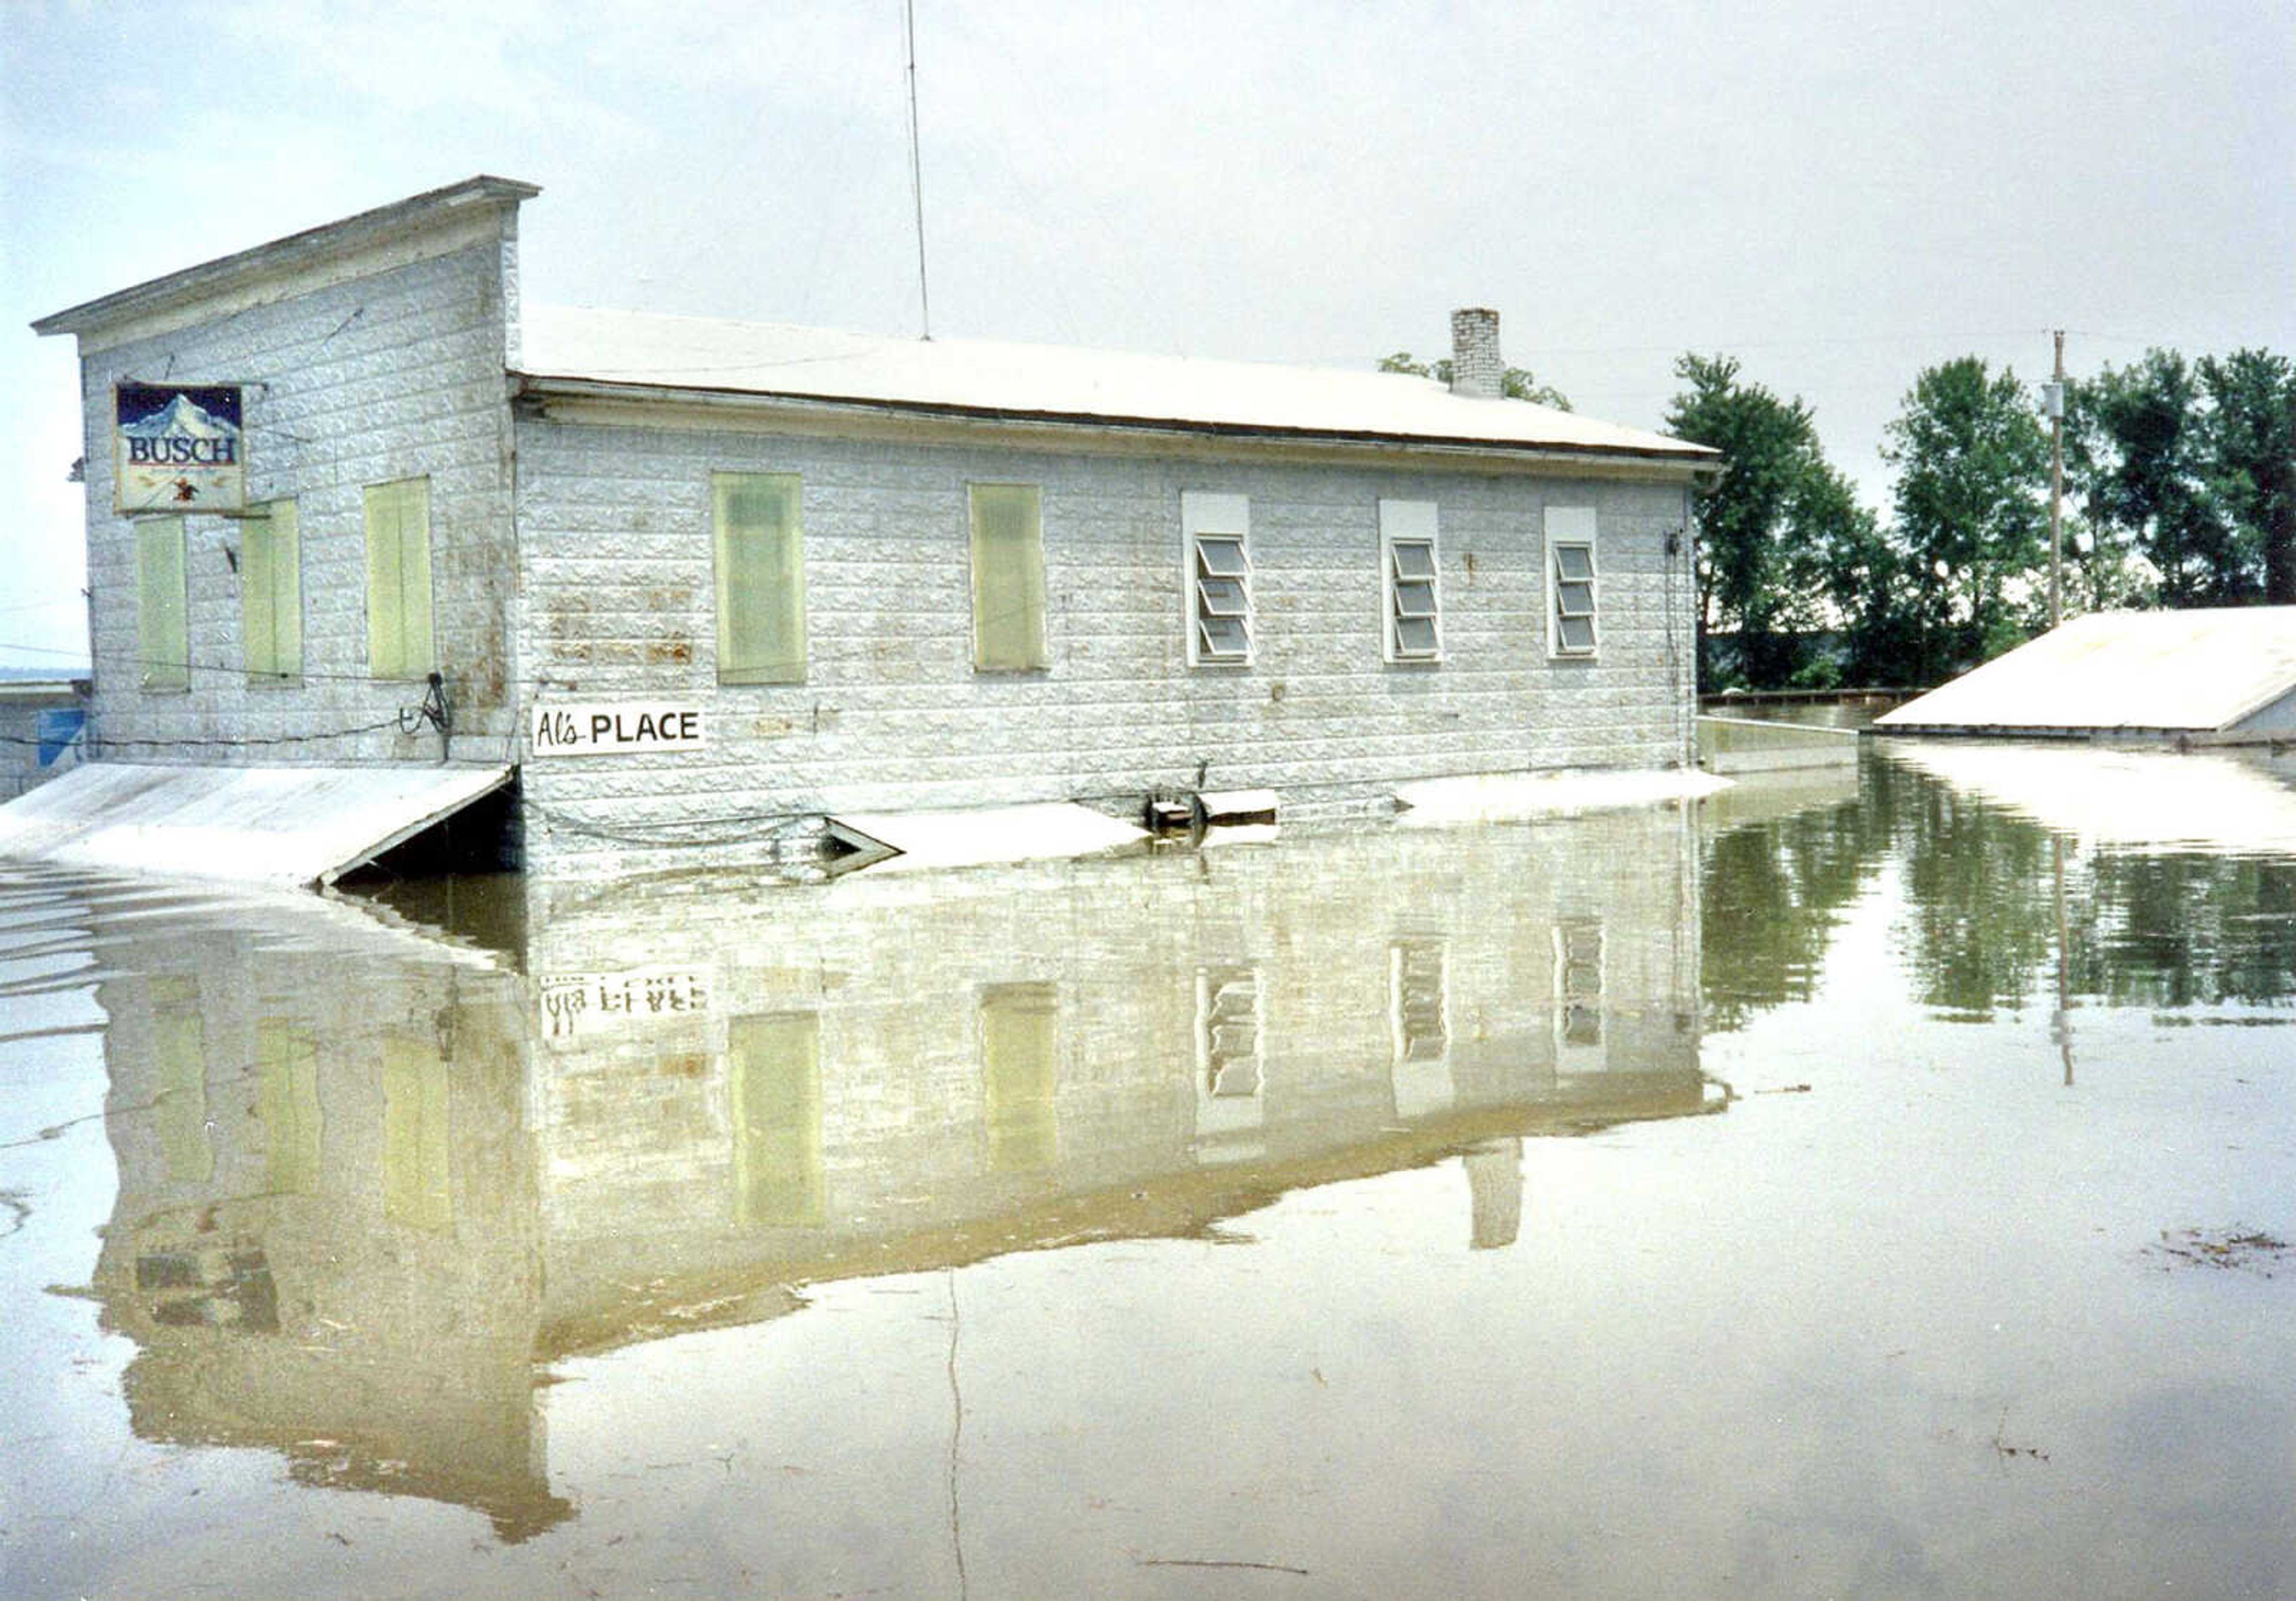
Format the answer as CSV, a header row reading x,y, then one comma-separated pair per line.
x,y
268,825
976,836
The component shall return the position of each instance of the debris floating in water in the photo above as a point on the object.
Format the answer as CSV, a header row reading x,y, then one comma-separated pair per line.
x,y
2247,1249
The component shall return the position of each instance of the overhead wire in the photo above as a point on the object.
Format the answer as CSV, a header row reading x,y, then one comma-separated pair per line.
x,y
108,742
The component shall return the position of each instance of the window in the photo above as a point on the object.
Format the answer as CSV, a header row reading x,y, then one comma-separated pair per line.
x,y
179,1061
1216,532
1008,579
162,642
773,1076
287,1101
1019,1063
759,551
271,594
399,638
1419,1027
1571,580
1230,1093
1406,538
1228,1030
1418,1006
418,1144
1578,995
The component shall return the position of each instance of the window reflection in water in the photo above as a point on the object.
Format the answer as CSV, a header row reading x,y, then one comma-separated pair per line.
x,y
669,1104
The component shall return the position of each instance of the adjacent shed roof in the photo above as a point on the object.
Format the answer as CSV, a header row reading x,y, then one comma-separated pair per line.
x,y
281,826
983,378
2217,671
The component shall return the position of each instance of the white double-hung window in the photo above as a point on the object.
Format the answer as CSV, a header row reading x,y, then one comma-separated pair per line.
x,y
1414,611
1571,580
1216,536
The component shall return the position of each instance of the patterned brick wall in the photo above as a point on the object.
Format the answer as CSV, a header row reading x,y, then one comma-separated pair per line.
x,y
390,374
617,602
572,561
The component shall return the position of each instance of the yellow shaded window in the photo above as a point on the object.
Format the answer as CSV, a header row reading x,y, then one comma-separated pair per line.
x,y
162,635
287,1101
758,550
399,642
773,1074
271,594
1018,1071
179,1050
1008,579
417,1134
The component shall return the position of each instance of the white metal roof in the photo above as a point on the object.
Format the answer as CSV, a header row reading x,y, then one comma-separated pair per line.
x,y
974,376
282,826
2165,671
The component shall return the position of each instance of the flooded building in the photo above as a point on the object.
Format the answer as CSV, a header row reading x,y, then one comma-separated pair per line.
x,y
698,589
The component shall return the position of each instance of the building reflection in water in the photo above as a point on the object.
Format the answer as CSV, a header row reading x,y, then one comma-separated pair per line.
x,y
374,1183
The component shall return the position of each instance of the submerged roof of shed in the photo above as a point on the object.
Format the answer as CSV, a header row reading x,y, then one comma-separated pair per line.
x,y
980,378
2202,671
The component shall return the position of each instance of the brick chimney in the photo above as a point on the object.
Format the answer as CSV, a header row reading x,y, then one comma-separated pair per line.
x,y
1476,365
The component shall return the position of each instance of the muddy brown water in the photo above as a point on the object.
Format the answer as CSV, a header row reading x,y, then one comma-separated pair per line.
x,y
1866,1183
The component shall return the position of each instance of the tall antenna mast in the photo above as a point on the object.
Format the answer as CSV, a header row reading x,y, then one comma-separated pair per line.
x,y
916,171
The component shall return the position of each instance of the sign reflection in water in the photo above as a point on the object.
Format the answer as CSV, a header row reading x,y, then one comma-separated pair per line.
x,y
371,1184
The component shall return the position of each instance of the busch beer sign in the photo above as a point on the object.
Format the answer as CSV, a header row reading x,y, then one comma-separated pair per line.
x,y
177,447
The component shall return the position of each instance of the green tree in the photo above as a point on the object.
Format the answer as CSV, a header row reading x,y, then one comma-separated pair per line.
x,y
2138,446
1767,529
1971,513
1866,590
2251,461
1516,383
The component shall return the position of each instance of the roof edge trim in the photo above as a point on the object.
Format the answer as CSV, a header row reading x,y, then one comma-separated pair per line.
x,y
1688,458
340,238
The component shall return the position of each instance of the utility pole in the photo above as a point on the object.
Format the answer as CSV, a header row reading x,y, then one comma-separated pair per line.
x,y
2057,486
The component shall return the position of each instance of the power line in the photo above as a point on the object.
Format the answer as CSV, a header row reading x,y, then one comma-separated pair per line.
x,y
129,659
46,605
94,741
1814,342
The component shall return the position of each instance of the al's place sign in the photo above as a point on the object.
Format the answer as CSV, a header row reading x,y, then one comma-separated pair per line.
x,y
613,729
177,447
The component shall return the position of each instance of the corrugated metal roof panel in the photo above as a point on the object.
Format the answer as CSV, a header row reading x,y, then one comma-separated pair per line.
x,y
262,825
2200,671
1045,381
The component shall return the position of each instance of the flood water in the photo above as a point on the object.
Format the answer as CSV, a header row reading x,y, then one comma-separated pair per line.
x,y
1873,1182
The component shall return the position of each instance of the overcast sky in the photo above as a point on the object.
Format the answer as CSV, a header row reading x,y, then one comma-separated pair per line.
x,y
1837,194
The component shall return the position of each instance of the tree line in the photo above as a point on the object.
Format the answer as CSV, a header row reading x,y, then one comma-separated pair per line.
x,y
2180,490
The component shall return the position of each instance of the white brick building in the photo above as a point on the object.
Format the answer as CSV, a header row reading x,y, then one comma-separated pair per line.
x,y
883,575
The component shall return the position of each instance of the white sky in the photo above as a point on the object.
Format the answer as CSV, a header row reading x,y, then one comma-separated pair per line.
x,y
1839,195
